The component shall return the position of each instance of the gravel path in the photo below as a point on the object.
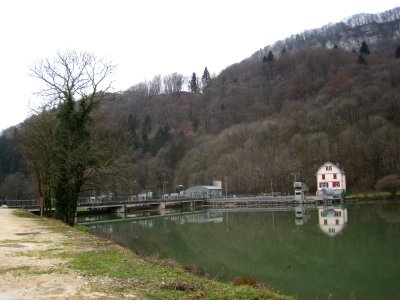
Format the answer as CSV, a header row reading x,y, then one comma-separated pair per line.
x,y
26,273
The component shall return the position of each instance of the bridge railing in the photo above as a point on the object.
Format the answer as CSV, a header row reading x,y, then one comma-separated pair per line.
x,y
106,200
29,204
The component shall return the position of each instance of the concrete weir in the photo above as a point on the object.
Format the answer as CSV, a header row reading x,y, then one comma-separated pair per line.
x,y
160,204
140,205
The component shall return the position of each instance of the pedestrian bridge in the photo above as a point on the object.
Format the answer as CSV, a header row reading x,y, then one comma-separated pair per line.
x,y
123,205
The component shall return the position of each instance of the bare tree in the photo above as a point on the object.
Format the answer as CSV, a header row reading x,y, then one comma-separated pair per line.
x,y
36,145
173,83
74,85
155,85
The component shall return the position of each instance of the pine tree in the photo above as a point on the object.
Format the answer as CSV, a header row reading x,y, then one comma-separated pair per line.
x,y
270,57
147,125
398,52
206,76
205,79
193,84
264,59
364,48
160,139
132,123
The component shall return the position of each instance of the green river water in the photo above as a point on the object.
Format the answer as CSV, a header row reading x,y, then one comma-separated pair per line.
x,y
309,254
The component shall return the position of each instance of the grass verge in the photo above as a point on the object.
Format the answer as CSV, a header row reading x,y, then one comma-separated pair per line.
x,y
128,273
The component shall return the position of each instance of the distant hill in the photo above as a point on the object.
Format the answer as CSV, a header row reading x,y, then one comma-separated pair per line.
x,y
375,29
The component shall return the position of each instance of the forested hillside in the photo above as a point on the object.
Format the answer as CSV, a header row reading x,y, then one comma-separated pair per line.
x,y
261,121
255,125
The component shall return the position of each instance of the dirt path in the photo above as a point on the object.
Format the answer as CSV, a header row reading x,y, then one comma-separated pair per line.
x,y
25,273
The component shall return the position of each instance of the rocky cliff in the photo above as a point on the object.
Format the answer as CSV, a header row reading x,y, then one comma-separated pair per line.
x,y
374,29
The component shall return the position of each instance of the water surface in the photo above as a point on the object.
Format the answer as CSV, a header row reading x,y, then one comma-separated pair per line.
x,y
353,255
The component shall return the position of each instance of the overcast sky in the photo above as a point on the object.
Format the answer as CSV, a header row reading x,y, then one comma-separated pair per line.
x,y
150,37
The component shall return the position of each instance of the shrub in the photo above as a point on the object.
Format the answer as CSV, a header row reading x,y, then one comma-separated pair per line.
x,y
389,183
245,280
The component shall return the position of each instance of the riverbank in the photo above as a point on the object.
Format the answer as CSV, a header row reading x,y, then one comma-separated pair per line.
x,y
371,197
45,259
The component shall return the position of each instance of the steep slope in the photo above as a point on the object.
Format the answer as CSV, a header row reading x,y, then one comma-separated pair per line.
x,y
375,29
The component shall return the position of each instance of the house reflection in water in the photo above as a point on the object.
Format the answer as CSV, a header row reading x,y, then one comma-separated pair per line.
x,y
332,219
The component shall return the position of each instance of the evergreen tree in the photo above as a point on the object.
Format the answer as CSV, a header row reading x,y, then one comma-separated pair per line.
x,y
364,49
206,76
147,125
264,59
270,57
160,139
398,52
193,84
146,128
132,127
145,143
132,123
73,81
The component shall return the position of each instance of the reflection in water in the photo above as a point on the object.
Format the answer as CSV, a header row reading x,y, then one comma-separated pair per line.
x,y
332,219
265,243
180,219
300,214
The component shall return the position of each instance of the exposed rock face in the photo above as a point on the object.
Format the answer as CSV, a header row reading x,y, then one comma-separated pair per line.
x,y
347,35
372,34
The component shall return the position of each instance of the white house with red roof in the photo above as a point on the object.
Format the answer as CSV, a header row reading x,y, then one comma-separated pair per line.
x,y
330,177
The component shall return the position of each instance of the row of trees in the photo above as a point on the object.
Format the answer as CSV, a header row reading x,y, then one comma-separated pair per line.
x,y
170,84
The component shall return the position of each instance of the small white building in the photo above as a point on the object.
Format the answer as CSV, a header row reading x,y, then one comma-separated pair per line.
x,y
332,177
203,191
332,220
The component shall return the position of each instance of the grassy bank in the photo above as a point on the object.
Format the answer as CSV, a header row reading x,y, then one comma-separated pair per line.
x,y
119,271
372,196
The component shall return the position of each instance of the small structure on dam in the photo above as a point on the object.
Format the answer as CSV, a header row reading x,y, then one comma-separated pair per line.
x,y
204,191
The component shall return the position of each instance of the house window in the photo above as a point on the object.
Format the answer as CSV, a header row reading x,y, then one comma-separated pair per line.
x,y
336,184
334,176
323,184
325,222
337,221
323,176
328,168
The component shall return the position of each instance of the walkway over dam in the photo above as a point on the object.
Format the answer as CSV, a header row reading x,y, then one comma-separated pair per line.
x,y
120,205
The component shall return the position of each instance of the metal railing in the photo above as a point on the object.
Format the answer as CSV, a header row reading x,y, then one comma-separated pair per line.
x,y
29,204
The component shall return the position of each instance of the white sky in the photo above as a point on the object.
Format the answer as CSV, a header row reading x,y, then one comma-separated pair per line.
x,y
149,37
